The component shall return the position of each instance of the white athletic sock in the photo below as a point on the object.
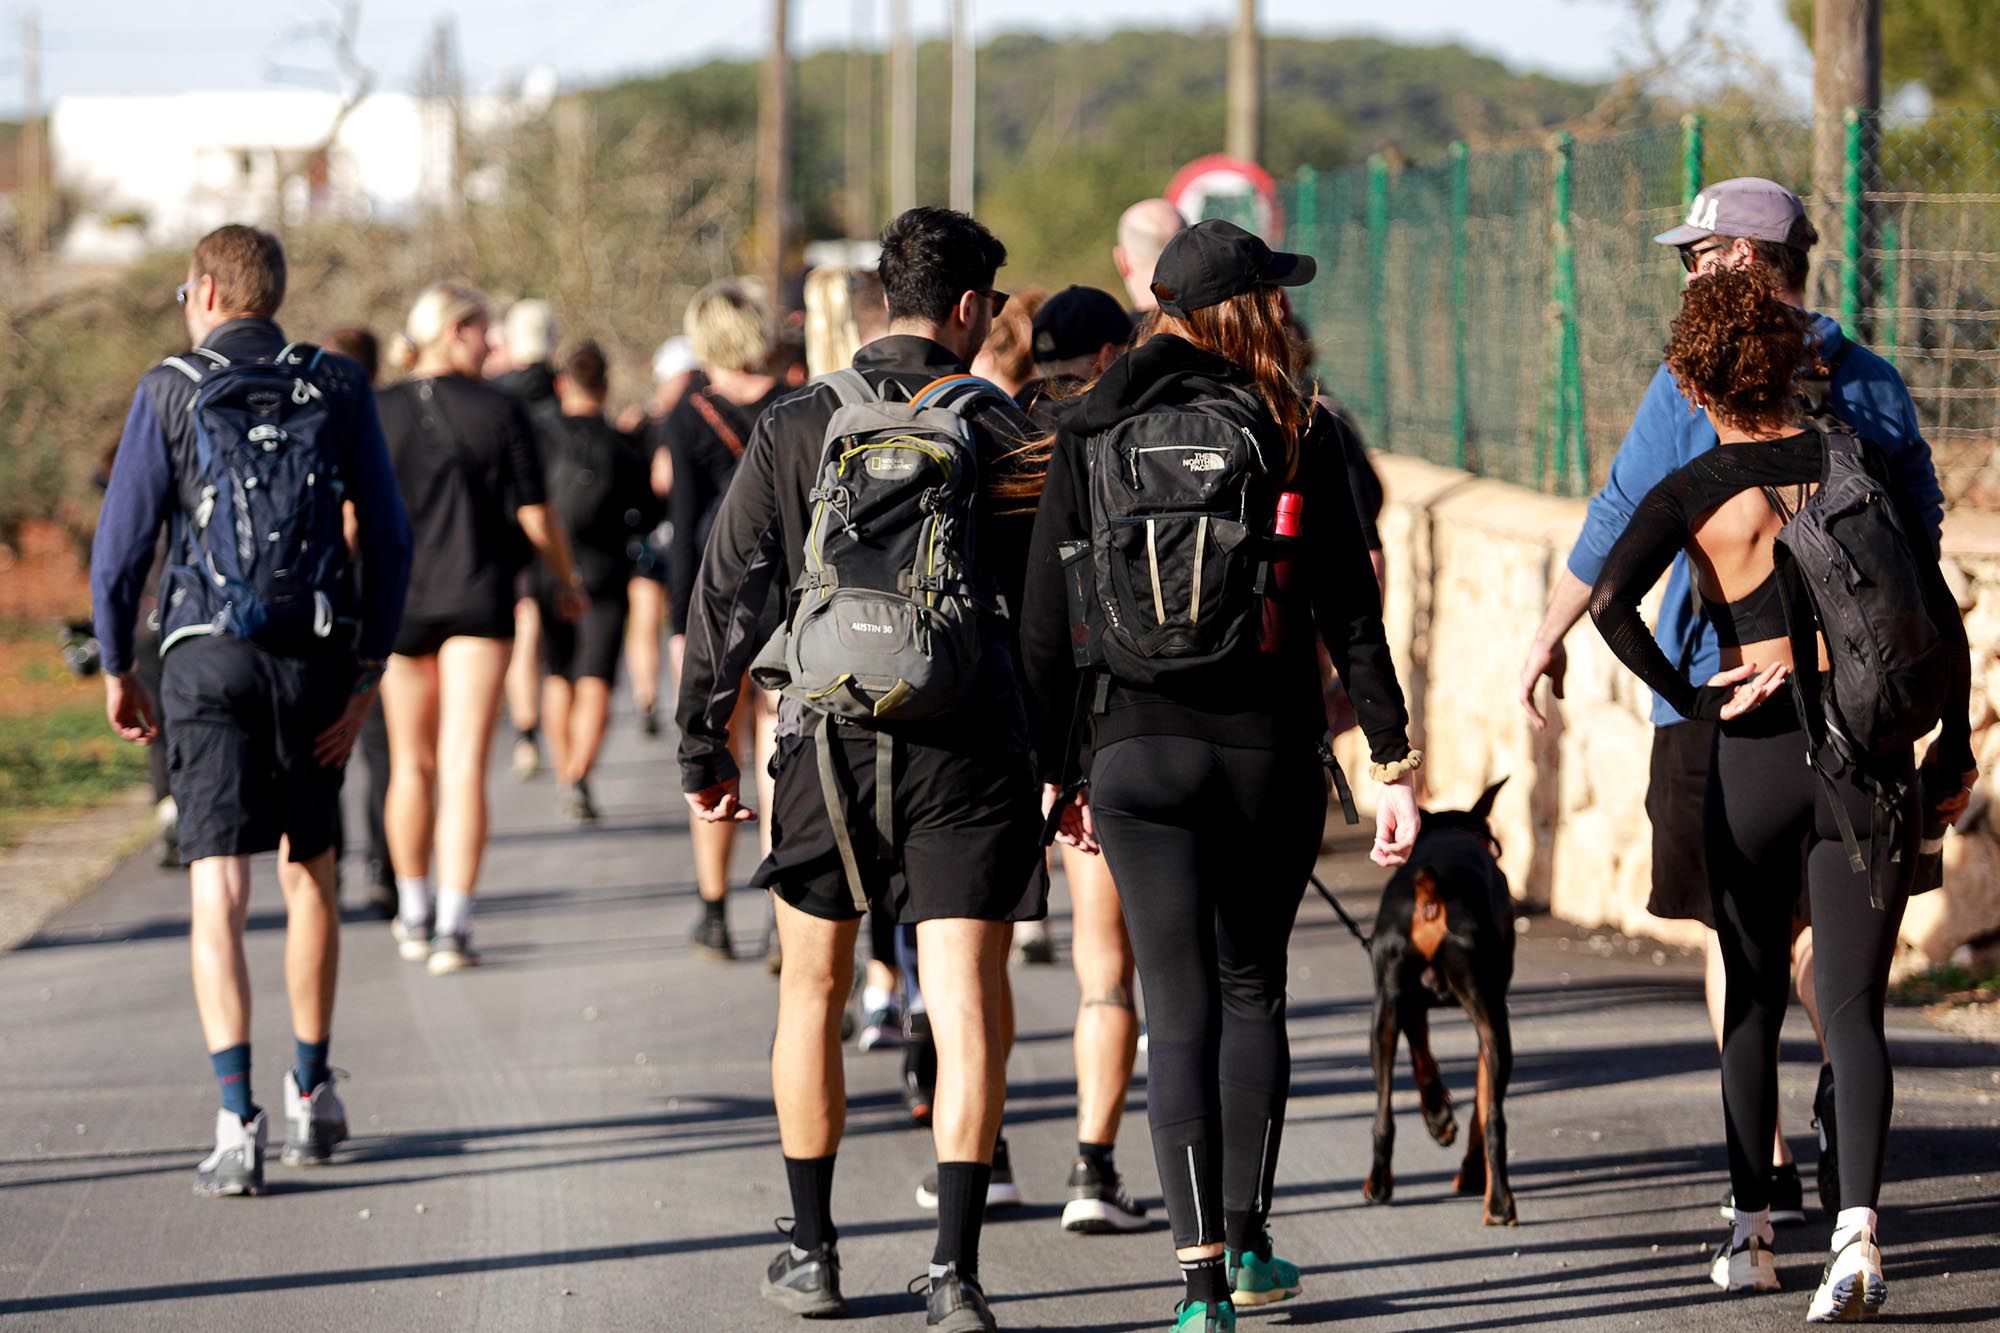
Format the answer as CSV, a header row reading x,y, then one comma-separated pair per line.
x,y
873,998
454,911
413,898
1750,1224
1851,1223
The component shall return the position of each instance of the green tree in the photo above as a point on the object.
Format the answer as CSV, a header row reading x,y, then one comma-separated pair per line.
x,y
1951,47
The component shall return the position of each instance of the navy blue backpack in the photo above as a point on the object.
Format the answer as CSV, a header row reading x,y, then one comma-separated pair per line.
x,y
266,539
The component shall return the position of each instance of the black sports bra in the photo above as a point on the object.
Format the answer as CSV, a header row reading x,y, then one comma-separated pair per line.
x,y
1756,616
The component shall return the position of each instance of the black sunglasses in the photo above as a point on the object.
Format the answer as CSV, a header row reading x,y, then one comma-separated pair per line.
x,y
1691,254
998,298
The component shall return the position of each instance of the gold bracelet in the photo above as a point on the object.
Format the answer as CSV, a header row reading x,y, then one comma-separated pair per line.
x,y
1396,772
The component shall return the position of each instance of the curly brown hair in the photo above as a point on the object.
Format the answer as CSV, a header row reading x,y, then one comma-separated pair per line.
x,y
1737,347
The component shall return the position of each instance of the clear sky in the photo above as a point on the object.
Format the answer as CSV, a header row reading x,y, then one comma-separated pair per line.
x,y
111,46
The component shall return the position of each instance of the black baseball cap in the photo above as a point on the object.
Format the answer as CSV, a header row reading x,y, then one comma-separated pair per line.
x,y
1077,321
1215,260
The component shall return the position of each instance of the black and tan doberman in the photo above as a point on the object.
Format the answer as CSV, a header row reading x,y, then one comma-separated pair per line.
x,y
1445,932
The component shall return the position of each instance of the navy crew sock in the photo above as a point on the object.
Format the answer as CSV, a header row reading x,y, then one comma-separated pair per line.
x,y
309,1063
811,1182
961,1211
232,1073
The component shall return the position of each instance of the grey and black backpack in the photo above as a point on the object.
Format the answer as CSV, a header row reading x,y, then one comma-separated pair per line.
x,y
1862,571
887,620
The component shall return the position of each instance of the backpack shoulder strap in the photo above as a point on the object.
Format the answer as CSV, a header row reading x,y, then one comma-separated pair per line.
x,y
850,386
717,422
215,360
949,391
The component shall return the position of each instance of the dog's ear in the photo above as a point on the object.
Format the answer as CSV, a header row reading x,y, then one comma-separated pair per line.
x,y
1483,807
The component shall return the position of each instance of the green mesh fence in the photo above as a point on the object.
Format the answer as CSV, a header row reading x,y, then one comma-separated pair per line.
x,y
1504,310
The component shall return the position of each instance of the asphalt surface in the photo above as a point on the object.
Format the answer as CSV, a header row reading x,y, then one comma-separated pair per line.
x,y
579,1134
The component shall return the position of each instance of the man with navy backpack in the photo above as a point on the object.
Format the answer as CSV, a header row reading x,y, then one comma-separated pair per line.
x,y
247,450
882,514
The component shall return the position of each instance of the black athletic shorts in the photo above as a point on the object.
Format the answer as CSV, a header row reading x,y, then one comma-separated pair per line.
x,y
1674,799
589,647
423,637
967,837
241,723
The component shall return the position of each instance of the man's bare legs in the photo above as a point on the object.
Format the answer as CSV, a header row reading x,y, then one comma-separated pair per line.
x,y
962,966
312,942
220,904
643,627
808,1080
524,675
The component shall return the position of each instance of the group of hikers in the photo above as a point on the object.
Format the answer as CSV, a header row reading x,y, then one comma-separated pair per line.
x,y
1004,573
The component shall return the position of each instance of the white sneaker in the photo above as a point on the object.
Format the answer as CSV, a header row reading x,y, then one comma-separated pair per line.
x,y
1851,1289
413,943
314,1125
452,953
1749,1266
236,1167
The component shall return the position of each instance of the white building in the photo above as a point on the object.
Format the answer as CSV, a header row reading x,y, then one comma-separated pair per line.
x,y
163,170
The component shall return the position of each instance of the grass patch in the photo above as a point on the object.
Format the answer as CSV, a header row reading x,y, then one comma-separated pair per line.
x,y
57,753
1947,981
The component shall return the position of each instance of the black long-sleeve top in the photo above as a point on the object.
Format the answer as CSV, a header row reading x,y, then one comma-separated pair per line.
x,y
1663,525
1253,699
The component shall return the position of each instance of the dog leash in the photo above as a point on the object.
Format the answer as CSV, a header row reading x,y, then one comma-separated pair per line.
x,y
1340,912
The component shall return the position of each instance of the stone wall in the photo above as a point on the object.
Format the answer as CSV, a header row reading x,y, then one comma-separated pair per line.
x,y
1470,566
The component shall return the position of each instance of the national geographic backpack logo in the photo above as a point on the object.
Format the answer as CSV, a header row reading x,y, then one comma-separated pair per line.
x,y
892,465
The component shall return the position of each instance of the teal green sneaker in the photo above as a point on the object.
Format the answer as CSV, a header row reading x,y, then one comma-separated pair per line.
x,y
1261,1278
1201,1317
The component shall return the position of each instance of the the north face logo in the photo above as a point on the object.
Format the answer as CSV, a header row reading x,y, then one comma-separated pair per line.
x,y
1203,462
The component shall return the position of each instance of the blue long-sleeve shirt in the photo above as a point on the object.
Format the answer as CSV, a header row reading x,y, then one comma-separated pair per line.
x,y
155,458
1668,431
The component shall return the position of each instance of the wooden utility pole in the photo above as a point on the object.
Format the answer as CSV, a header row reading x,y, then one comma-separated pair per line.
x,y
31,160
774,163
964,97
902,110
1847,72
861,123
1246,85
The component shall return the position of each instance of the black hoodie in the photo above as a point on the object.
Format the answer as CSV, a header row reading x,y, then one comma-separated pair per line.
x,y
1266,701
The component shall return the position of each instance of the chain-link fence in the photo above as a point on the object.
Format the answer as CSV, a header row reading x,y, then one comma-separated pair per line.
x,y
1504,310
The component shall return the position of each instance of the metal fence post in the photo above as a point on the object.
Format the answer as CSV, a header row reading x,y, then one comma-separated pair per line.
x,y
1850,226
1892,244
1461,402
1691,146
1378,299
1567,369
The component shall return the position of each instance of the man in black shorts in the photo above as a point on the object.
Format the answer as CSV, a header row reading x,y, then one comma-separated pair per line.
x,y
261,721
598,485
965,860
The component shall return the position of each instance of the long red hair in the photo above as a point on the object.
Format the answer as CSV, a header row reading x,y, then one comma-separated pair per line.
x,y
1252,332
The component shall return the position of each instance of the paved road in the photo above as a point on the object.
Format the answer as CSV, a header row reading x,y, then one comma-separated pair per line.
x,y
579,1134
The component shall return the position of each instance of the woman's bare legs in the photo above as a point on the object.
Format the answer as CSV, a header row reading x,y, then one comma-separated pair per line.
x,y
410,708
524,684
1107,1021
470,675
648,618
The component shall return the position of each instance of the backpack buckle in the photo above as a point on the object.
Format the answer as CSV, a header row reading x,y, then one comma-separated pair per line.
x,y
304,391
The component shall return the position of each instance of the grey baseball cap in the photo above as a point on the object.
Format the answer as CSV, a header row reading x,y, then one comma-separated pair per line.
x,y
1748,206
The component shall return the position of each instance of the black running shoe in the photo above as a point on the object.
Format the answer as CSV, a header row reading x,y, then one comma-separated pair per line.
x,y
1785,1191
957,1303
649,721
919,1067
805,1284
382,890
1001,1191
1098,1204
1827,1173
710,937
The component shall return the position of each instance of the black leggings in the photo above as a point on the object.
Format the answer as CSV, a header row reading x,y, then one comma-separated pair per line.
x,y
1768,818
1211,847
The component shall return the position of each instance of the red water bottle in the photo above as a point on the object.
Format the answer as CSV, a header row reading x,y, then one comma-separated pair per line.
x,y
1285,531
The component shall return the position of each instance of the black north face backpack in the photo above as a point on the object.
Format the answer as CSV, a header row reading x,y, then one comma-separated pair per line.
x,y
1180,501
